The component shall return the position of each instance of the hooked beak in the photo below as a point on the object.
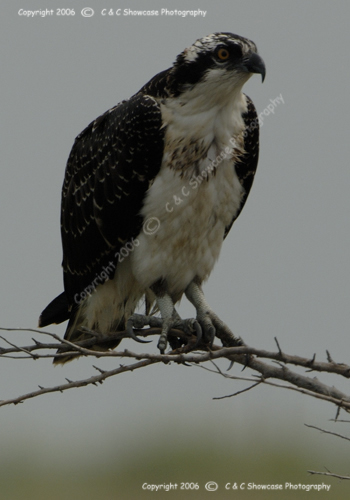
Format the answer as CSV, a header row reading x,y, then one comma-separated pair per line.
x,y
255,64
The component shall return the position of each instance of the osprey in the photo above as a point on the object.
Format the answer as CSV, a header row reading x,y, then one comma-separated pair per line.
x,y
152,188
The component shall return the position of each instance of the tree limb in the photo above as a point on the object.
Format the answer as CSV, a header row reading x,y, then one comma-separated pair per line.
x,y
248,357
79,383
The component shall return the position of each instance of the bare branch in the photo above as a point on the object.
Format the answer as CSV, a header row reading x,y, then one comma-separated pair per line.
x,y
79,383
240,392
327,432
248,357
330,474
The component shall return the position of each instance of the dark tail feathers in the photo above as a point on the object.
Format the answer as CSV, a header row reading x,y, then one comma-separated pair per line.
x,y
56,312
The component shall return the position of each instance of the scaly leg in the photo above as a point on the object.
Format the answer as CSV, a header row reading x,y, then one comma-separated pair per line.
x,y
169,319
211,324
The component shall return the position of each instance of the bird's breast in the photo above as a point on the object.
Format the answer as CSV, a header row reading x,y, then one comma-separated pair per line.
x,y
184,222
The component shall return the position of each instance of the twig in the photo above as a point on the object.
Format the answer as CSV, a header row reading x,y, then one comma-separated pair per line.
x,y
240,392
327,432
330,474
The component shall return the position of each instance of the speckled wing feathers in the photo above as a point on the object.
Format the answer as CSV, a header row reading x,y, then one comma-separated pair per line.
x,y
247,164
109,170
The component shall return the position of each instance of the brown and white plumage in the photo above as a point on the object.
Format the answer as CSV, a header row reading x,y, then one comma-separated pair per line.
x,y
153,186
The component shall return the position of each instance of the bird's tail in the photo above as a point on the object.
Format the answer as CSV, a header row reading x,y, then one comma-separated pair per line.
x,y
77,331
103,312
56,312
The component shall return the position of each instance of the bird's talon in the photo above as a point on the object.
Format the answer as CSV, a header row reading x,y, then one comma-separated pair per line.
x,y
162,342
198,331
132,335
211,334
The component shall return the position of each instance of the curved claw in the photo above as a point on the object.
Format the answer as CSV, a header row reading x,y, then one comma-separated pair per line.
x,y
132,334
198,330
211,331
162,342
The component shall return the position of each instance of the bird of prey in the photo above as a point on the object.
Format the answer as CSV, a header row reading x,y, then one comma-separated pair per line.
x,y
151,190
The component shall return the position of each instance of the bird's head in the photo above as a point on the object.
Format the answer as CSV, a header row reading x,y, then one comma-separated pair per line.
x,y
221,62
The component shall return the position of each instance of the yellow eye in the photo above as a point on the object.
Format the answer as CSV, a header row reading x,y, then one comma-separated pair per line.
x,y
223,54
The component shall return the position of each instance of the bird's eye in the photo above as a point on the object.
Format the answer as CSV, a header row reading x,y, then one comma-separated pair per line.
x,y
223,54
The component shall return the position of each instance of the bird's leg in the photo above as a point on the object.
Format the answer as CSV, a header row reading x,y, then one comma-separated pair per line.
x,y
170,317
166,323
195,295
211,324
166,308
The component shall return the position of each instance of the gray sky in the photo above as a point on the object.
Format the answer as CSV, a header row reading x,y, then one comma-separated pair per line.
x,y
284,269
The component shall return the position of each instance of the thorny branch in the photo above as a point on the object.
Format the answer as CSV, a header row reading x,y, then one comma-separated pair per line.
x,y
248,357
329,473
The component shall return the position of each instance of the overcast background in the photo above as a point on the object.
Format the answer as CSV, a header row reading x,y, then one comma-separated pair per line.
x,y
284,269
